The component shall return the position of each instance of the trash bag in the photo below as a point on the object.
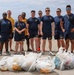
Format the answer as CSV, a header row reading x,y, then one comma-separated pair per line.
x,y
3,64
30,59
45,65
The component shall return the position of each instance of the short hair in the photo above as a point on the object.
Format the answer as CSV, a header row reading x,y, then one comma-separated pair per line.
x,y
24,13
59,9
32,11
39,11
47,8
19,15
68,6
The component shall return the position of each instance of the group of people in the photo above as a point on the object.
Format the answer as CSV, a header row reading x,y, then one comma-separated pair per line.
x,y
36,29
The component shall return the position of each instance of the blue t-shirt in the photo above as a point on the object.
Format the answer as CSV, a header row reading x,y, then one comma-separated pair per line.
x,y
33,24
57,20
39,18
20,26
5,27
47,21
68,22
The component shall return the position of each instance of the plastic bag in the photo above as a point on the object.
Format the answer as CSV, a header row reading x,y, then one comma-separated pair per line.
x,y
45,65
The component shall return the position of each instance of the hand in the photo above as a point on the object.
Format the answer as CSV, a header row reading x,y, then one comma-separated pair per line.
x,y
19,32
28,34
63,30
72,30
41,33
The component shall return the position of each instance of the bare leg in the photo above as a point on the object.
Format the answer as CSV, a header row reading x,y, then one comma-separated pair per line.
x,y
58,44
50,45
32,43
62,43
67,44
43,45
21,46
72,45
16,46
36,43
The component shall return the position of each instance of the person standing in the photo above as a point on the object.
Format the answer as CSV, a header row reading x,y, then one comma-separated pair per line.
x,y
47,29
26,32
9,17
33,28
39,36
5,32
19,34
68,28
59,34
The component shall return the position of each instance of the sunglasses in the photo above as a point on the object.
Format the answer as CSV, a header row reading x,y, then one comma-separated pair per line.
x,y
47,10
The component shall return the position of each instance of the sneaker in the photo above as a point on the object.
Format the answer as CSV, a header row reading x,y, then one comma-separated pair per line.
x,y
0,53
51,53
8,53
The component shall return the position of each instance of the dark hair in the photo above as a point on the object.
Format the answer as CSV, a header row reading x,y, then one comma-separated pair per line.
x,y
19,16
32,11
39,11
47,8
58,9
23,13
68,6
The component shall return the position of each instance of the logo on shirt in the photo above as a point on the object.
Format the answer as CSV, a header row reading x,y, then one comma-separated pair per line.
x,y
50,18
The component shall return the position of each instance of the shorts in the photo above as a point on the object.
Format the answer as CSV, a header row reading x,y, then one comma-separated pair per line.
x,y
71,35
4,38
33,34
11,37
58,35
47,35
27,37
19,37
66,36
39,36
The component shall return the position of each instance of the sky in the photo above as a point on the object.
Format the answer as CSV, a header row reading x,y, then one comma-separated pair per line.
x,y
19,6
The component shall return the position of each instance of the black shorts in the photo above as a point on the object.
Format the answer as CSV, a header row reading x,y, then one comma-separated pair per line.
x,y
71,35
19,37
47,35
58,35
66,36
27,37
4,38
34,34
11,37
39,36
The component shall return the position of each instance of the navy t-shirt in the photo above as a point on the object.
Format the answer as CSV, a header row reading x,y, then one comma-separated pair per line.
x,y
57,20
5,27
69,22
47,21
33,24
39,18
20,26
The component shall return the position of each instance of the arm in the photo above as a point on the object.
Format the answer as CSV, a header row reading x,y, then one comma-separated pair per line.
x,y
62,25
41,25
53,28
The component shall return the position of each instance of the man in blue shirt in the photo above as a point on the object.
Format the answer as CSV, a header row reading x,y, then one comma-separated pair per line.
x,y
69,28
47,29
20,27
59,34
5,32
39,36
33,28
